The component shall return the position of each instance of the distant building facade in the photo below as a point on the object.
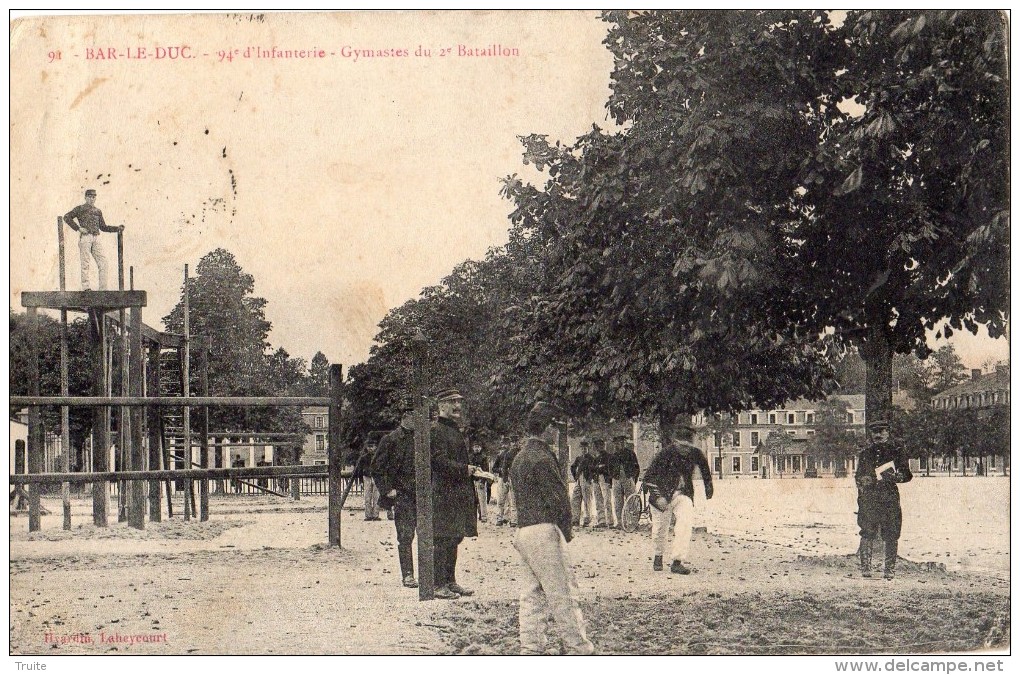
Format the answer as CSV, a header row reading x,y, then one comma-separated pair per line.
x,y
981,391
315,449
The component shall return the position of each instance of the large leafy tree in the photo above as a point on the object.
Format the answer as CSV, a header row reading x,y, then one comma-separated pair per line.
x,y
222,307
744,219
46,334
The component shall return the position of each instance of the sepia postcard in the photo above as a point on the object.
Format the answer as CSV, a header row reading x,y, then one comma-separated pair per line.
x,y
243,201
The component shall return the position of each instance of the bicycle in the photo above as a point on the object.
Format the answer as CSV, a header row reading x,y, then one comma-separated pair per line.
x,y
635,514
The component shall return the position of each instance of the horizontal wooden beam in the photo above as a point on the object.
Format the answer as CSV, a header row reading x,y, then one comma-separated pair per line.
x,y
302,471
168,401
83,300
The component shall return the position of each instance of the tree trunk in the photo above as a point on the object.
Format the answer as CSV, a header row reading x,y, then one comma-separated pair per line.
x,y
877,355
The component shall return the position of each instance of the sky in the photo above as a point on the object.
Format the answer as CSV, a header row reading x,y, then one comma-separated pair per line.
x,y
343,184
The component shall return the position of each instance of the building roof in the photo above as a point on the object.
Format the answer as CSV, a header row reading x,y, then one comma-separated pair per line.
x,y
854,401
997,381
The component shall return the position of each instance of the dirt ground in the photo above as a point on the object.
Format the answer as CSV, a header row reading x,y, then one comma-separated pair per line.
x,y
773,575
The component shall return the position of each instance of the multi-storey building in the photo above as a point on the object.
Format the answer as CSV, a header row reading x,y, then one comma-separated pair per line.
x,y
316,445
981,391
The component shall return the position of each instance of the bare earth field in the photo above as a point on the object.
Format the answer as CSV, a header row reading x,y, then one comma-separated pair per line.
x,y
774,574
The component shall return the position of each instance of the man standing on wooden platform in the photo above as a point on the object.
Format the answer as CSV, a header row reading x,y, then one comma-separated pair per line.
x,y
453,494
88,221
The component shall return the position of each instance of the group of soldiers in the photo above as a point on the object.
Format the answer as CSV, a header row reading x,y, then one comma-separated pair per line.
x,y
603,480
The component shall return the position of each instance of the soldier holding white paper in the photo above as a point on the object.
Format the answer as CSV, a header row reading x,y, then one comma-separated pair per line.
x,y
880,468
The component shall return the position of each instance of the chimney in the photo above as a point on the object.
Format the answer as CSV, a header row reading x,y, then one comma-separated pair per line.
x,y
975,374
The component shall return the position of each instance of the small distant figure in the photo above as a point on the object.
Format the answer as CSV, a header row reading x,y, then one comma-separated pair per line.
x,y
363,471
625,470
506,508
481,486
880,468
88,221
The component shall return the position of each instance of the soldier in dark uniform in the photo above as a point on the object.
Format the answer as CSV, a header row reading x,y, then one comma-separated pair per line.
x,y
393,468
453,494
880,467
625,471
577,496
604,480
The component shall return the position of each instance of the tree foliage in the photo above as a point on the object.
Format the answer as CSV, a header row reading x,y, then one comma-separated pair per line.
x,y
743,221
47,337
222,307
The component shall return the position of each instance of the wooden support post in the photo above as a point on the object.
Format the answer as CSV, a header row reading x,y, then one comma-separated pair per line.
x,y
65,412
136,505
336,392
563,451
423,475
124,414
155,438
203,424
185,358
295,482
100,416
35,431
164,463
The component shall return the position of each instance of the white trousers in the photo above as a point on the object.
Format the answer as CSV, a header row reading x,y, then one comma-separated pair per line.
x,y
371,499
622,488
548,590
506,509
682,507
89,246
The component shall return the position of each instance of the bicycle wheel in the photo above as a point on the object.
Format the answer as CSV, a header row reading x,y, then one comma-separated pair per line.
x,y
632,508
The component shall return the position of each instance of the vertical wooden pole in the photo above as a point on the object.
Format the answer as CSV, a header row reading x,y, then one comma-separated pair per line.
x,y
155,438
295,481
336,392
136,488
100,416
35,435
203,424
165,463
186,392
423,476
563,451
65,413
124,417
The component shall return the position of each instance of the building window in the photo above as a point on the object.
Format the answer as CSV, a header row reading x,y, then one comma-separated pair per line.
x,y
772,418
754,463
320,462
811,432
736,439
791,432
754,439
849,417
736,464
754,418
717,464
319,422
718,440
796,463
320,443
790,418
810,417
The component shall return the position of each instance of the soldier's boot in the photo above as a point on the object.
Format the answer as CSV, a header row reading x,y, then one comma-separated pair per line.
x,y
864,555
891,550
406,556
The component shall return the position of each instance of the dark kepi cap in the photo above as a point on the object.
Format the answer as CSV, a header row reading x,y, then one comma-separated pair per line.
x,y
448,395
546,413
90,193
